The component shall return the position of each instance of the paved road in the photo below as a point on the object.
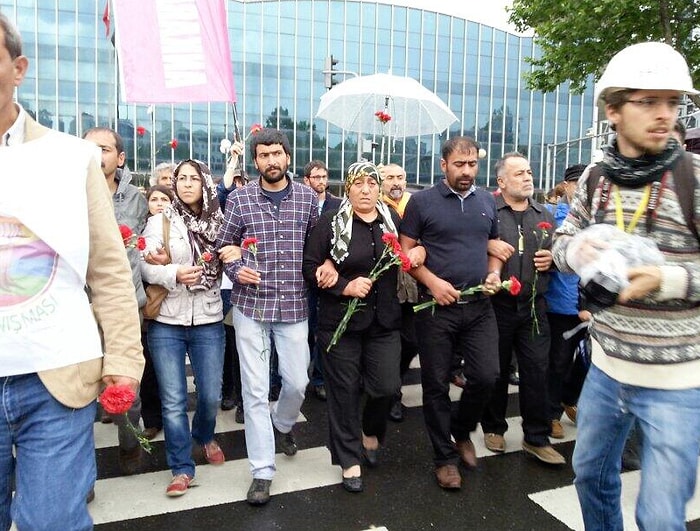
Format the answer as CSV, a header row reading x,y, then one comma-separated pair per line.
x,y
506,492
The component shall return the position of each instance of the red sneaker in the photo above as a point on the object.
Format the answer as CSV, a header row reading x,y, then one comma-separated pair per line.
x,y
213,453
179,485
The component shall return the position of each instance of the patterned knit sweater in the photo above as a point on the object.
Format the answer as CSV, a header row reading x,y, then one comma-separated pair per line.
x,y
653,342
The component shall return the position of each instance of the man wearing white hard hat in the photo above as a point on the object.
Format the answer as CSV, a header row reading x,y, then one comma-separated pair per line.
x,y
646,329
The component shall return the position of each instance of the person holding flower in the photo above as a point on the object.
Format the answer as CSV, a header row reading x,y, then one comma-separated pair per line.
x,y
455,221
523,327
269,300
131,210
53,366
190,319
366,355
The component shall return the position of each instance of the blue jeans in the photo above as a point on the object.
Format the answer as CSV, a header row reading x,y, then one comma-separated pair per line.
x,y
670,425
169,344
253,342
55,465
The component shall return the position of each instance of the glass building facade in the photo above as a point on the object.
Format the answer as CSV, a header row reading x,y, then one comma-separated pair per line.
x,y
278,51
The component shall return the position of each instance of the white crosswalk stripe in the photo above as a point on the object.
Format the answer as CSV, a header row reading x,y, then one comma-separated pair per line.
x,y
562,503
144,495
124,498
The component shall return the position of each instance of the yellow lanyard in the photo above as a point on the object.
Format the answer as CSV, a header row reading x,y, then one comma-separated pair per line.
x,y
620,220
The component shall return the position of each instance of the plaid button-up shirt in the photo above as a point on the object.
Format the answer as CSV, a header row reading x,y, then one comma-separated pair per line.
x,y
281,295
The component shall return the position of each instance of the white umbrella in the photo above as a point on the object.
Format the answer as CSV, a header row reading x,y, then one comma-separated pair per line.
x,y
414,109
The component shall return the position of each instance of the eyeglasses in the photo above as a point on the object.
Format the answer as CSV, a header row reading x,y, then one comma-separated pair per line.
x,y
655,103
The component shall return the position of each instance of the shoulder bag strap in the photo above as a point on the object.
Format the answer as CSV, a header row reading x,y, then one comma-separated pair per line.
x,y
166,237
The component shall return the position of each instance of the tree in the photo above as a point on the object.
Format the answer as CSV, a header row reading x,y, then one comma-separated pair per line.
x,y
578,37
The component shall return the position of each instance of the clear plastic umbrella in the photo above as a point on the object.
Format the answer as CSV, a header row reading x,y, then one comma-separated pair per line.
x,y
414,110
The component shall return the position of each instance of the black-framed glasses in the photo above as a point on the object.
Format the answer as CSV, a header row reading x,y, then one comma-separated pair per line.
x,y
655,103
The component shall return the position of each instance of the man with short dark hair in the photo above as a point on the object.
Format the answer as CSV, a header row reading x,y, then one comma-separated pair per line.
x,y
454,220
316,176
645,358
57,348
269,300
130,209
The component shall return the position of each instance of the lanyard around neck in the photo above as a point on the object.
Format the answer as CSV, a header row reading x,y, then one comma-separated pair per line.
x,y
619,218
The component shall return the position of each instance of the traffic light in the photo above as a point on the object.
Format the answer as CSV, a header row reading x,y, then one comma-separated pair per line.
x,y
329,72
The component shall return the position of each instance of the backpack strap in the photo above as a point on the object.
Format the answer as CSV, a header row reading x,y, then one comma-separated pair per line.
x,y
684,179
596,179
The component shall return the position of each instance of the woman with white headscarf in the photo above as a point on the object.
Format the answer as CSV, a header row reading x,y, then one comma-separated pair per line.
x,y
190,318
366,357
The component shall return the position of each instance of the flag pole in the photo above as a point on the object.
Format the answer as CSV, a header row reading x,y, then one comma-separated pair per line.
x,y
237,134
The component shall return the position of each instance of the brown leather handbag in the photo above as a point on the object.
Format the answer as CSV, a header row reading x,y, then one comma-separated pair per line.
x,y
155,293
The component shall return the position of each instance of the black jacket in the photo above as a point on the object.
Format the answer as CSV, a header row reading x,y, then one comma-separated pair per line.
x,y
522,266
366,246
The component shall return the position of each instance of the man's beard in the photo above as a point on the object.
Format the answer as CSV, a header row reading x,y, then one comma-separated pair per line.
x,y
276,178
396,193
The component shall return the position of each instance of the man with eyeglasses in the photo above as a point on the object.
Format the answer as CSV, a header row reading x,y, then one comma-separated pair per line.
x,y
645,346
316,177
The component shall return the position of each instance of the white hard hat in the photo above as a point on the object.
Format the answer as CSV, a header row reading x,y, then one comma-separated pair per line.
x,y
647,65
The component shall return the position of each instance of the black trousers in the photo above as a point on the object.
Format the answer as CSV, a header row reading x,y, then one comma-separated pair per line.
x,y
369,361
515,334
563,379
470,331
409,343
231,378
151,412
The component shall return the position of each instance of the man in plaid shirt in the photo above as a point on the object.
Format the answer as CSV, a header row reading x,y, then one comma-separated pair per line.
x,y
269,219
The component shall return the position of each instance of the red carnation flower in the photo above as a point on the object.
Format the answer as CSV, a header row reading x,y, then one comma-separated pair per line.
x,y
382,116
207,256
126,233
249,242
173,143
405,261
544,225
117,399
140,243
255,128
140,130
515,286
390,238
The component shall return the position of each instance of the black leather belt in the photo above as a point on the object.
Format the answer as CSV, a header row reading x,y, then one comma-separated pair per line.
x,y
466,299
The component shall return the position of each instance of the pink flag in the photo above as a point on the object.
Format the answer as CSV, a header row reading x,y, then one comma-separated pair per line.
x,y
173,51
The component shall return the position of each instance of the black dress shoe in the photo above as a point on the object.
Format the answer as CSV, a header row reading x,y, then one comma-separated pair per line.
x,y
353,484
396,411
240,414
227,404
370,456
151,432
